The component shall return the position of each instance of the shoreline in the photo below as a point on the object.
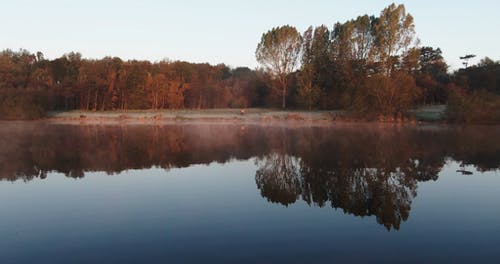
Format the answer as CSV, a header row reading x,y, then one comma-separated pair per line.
x,y
249,116
198,116
423,115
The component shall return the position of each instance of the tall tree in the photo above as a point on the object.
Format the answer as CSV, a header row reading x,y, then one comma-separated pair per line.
x,y
278,51
395,34
432,76
352,53
308,89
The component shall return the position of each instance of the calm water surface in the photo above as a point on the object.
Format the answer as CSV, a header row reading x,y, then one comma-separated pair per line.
x,y
228,193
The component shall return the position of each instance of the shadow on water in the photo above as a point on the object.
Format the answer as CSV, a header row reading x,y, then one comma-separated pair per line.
x,y
363,170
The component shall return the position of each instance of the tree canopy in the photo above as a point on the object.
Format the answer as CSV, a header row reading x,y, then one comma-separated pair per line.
x,y
278,51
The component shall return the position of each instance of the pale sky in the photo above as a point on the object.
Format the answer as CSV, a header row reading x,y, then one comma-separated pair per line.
x,y
221,31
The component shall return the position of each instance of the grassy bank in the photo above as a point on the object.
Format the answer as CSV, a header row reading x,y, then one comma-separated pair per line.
x,y
253,115
428,113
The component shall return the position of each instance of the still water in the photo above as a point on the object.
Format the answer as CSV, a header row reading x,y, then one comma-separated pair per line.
x,y
232,193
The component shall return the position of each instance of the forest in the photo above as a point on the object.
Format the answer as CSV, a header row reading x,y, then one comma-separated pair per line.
x,y
372,67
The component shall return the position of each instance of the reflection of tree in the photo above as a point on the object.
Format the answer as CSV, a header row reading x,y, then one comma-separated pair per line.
x,y
31,150
364,170
372,172
363,192
278,178
385,194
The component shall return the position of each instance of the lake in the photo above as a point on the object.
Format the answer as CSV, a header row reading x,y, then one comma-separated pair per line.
x,y
249,193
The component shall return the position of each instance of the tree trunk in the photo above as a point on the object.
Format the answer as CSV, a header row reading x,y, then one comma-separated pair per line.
x,y
122,101
103,106
199,100
87,106
283,105
310,100
96,97
283,84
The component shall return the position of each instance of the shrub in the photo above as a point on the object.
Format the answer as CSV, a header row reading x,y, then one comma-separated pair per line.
x,y
479,107
23,104
386,97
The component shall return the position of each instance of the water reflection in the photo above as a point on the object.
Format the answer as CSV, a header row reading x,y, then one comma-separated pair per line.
x,y
364,170
382,192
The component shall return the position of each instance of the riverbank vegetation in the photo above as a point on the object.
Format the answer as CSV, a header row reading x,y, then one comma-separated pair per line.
x,y
372,67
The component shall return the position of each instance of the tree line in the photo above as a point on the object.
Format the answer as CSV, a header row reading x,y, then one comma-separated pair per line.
x,y
371,66
374,67
31,84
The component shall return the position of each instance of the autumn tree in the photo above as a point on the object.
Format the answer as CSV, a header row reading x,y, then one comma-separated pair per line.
x,y
393,89
177,85
24,85
394,35
432,76
278,52
390,97
308,90
243,91
65,71
30,84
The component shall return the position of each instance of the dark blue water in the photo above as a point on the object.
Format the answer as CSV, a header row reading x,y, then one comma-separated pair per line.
x,y
248,194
